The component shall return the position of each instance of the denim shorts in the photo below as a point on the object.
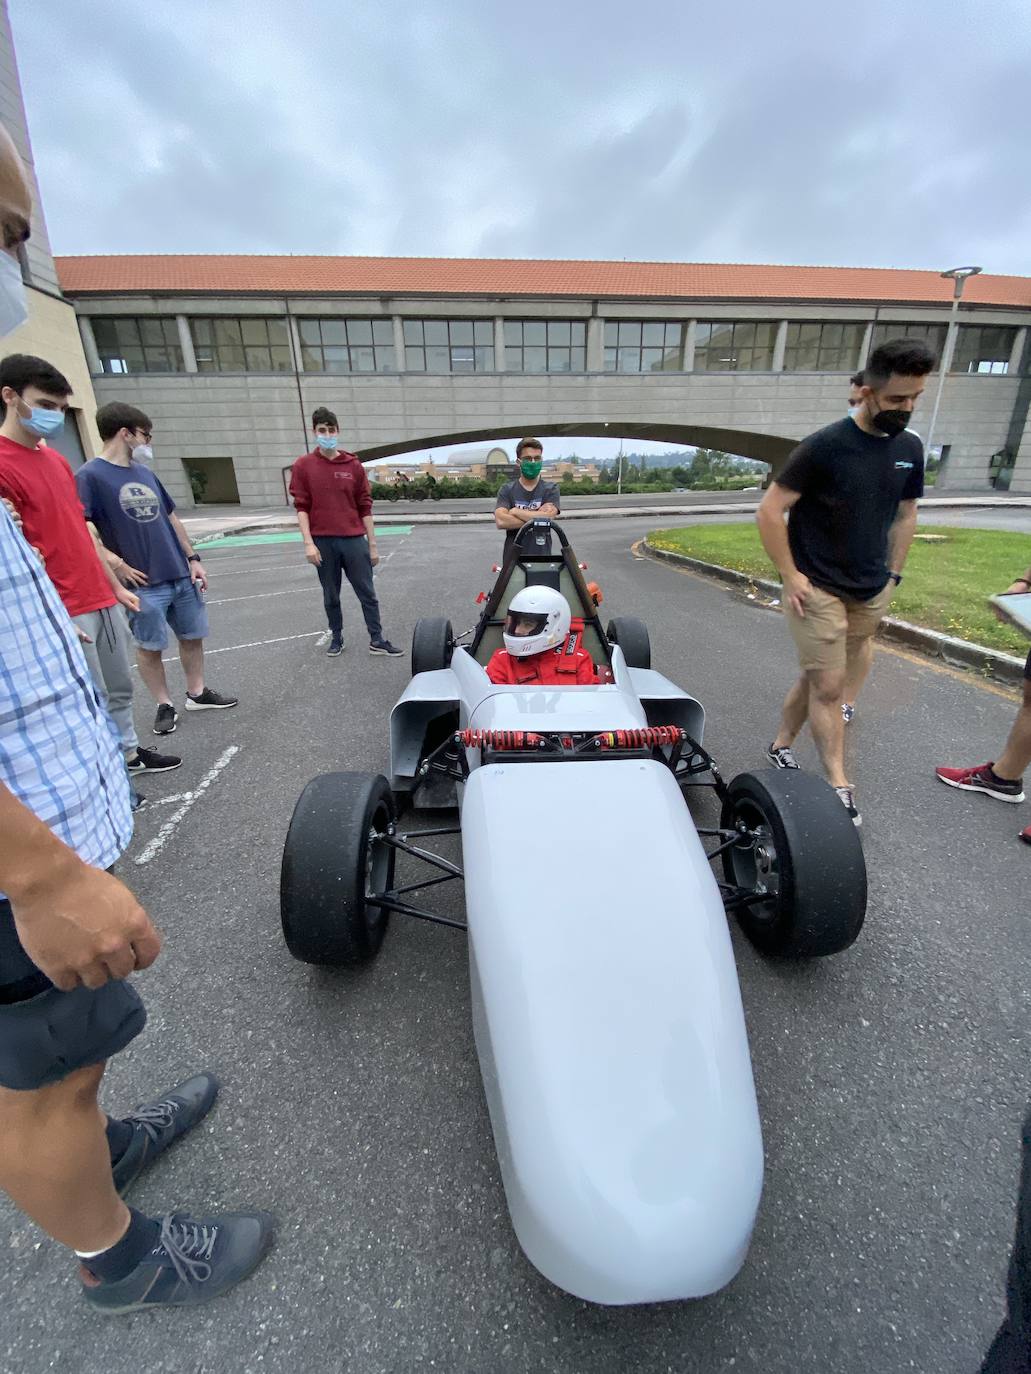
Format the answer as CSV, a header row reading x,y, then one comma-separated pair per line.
x,y
46,1034
179,604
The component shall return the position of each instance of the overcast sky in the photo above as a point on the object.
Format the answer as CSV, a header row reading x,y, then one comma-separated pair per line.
x,y
875,133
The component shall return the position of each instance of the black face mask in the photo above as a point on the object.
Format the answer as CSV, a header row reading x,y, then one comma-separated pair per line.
x,y
890,422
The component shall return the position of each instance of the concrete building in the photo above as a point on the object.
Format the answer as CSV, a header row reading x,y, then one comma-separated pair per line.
x,y
229,356
50,331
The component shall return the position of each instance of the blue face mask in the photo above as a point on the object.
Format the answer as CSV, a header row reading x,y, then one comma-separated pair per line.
x,y
42,422
327,442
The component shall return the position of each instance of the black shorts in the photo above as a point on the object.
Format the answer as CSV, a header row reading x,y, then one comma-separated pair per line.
x,y
46,1034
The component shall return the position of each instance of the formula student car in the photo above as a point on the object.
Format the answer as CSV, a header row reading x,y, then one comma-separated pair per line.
x,y
607,1014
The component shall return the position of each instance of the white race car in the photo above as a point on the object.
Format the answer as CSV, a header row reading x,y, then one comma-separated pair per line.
x,y
607,1013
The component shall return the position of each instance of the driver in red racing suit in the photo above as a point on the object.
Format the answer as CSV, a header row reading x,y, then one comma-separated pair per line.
x,y
541,644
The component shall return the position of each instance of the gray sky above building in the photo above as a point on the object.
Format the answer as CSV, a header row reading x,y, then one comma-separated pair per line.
x,y
802,132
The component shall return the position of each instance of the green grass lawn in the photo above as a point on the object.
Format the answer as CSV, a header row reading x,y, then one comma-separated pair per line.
x,y
946,583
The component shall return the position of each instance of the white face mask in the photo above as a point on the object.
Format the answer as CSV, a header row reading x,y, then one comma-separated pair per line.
x,y
13,309
142,453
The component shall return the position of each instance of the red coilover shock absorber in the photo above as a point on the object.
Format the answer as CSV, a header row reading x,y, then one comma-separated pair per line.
x,y
648,737
498,739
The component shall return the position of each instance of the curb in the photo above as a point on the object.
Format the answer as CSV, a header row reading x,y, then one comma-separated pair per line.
x,y
956,652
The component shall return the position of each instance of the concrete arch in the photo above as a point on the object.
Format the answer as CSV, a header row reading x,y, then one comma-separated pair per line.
x,y
766,448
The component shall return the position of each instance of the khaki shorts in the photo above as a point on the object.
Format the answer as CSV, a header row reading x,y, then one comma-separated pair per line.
x,y
834,627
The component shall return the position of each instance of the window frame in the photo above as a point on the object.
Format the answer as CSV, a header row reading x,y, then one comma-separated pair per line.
x,y
170,347
624,346
997,367
212,354
381,350
551,347
440,340
846,361
736,349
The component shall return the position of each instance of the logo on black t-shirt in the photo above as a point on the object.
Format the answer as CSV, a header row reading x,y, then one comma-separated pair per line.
x,y
139,502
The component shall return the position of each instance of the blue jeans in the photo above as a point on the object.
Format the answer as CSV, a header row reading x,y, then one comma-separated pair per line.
x,y
347,556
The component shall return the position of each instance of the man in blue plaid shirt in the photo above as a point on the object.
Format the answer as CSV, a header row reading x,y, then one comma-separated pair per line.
x,y
71,933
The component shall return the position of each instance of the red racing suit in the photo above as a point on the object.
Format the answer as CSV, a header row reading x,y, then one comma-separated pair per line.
x,y
561,667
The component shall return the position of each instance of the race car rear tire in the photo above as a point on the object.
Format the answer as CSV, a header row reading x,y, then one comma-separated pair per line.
x,y
332,862
433,643
809,859
632,637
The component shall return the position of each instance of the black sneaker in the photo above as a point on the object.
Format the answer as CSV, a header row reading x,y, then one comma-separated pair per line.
x,y
210,701
782,757
156,1125
150,761
195,1260
336,646
384,646
166,719
847,797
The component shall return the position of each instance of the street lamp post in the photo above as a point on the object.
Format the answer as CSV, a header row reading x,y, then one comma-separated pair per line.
x,y
959,278
619,470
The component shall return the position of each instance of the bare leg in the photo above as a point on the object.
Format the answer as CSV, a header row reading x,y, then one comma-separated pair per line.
x,y
860,660
152,671
825,720
191,656
55,1164
1017,754
794,714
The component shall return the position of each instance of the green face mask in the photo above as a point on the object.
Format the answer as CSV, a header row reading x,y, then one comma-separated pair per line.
x,y
530,467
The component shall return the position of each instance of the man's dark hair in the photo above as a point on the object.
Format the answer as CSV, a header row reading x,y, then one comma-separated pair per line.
x,y
901,357
857,378
117,415
19,370
322,416
528,443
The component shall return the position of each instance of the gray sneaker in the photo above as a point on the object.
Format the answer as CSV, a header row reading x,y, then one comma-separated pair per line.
x,y
847,797
782,757
195,1260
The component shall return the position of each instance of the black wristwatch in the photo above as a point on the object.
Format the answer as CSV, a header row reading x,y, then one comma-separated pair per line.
x,y
193,558
895,577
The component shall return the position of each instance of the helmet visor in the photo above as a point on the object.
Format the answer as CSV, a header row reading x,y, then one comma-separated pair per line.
x,y
523,625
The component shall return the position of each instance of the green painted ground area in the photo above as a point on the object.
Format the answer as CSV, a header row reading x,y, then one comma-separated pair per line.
x,y
245,541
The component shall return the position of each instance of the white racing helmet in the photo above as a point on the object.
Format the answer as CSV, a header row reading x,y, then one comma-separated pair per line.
x,y
538,619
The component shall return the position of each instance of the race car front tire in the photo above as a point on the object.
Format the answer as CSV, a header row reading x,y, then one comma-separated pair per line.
x,y
632,637
808,859
333,865
433,643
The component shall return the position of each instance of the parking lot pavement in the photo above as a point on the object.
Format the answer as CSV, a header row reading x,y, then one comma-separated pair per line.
x,y
891,1079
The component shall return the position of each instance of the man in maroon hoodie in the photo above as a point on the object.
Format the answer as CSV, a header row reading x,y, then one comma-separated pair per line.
x,y
334,510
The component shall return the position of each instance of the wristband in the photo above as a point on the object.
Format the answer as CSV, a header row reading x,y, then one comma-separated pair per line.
x,y
193,558
895,577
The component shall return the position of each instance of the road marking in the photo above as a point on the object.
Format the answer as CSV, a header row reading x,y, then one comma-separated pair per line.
x,y
167,801
322,639
255,596
254,644
170,826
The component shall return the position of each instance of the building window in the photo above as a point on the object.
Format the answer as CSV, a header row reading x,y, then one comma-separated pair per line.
x,y
545,345
933,335
347,345
823,346
984,348
144,343
449,345
644,346
734,346
253,343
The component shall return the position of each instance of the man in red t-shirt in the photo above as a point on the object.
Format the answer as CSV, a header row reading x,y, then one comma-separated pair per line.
x,y
39,483
330,491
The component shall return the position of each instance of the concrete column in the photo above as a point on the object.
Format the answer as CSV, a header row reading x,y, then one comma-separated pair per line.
x,y
399,343
689,338
186,343
89,346
864,347
779,345
595,344
1016,353
499,344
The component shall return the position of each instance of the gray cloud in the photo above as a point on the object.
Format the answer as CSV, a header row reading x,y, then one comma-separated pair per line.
x,y
801,132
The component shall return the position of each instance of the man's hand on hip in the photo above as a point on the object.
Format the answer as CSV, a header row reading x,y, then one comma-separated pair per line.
x,y
796,592
311,553
81,925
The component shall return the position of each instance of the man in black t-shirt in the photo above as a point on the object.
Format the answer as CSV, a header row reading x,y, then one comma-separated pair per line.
x,y
849,493
527,496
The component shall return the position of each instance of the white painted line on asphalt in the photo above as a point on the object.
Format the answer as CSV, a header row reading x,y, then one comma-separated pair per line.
x,y
245,569
167,801
254,644
157,844
322,639
255,596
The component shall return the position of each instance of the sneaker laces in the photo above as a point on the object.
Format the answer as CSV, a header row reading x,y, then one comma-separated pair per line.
x,y
154,1117
189,1246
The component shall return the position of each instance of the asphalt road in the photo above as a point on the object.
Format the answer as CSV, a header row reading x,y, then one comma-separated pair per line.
x,y
891,1079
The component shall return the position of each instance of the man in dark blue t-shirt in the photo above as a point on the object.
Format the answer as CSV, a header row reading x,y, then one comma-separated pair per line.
x,y
849,493
135,518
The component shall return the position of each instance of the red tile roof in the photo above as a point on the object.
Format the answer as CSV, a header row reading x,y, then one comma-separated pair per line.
x,y
233,274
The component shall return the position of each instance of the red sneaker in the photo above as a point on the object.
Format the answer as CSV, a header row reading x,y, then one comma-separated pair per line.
x,y
1025,835
982,779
